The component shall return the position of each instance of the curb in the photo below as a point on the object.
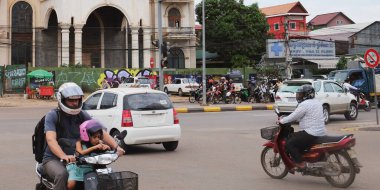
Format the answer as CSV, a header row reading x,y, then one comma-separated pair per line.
x,y
220,109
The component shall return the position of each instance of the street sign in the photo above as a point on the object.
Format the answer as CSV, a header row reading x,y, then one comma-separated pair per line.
x,y
371,58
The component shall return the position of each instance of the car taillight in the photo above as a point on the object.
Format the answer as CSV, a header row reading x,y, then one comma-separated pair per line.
x,y
188,86
278,98
126,120
175,117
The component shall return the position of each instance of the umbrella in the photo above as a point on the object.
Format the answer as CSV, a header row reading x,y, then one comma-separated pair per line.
x,y
40,74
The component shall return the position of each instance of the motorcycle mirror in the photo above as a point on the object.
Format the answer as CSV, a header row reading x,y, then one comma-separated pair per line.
x,y
277,111
122,135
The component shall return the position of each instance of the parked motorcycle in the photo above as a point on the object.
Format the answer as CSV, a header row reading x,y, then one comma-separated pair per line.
x,y
101,177
196,95
331,157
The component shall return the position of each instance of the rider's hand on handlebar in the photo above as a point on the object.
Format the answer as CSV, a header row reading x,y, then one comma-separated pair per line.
x,y
68,158
120,151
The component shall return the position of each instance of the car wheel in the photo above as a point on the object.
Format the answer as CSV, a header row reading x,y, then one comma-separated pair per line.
x,y
326,113
166,90
120,143
170,146
180,92
352,113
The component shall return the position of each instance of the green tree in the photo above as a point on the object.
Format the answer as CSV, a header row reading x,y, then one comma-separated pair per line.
x,y
342,63
236,32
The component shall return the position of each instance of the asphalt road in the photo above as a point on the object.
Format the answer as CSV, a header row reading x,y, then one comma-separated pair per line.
x,y
217,151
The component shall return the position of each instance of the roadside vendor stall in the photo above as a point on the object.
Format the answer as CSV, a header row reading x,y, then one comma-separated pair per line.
x,y
40,84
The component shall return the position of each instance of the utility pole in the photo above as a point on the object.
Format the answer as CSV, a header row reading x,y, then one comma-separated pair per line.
x,y
288,59
204,102
160,42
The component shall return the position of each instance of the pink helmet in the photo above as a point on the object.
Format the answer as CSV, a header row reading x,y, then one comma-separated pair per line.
x,y
89,127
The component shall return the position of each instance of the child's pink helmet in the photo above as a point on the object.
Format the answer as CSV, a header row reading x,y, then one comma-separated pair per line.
x,y
89,127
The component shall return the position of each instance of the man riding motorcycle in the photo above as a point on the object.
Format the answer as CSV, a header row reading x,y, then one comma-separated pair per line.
x,y
309,113
70,116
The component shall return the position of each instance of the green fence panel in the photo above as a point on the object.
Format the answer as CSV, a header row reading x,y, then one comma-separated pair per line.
x,y
15,78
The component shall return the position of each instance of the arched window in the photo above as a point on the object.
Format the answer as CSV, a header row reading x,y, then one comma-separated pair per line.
x,y
174,18
22,33
176,58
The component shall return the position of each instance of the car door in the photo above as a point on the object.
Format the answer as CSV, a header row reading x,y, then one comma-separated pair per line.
x,y
343,99
330,96
107,109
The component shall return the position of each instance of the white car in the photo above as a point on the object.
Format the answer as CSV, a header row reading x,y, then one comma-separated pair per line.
x,y
181,86
143,82
335,99
147,115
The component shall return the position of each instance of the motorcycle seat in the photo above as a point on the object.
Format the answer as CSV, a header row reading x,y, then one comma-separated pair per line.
x,y
330,139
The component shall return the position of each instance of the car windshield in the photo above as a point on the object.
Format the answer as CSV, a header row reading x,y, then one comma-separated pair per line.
x,y
338,76
189,80
144,80
291,86
147,101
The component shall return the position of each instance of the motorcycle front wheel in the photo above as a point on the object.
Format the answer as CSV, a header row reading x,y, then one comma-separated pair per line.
x,y
191,99
347,175
273,164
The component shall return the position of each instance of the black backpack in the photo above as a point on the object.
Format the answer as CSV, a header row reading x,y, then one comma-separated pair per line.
x,y
39,140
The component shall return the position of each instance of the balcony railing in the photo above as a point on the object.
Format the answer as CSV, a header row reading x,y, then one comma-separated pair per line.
x,y
179,32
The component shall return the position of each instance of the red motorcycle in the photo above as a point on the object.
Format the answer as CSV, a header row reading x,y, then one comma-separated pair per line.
x,y
332,157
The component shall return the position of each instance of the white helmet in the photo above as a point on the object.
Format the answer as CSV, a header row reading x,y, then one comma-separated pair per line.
x,y
70,90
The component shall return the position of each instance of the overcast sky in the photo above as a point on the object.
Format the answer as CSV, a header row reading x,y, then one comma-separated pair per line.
x,y
358,10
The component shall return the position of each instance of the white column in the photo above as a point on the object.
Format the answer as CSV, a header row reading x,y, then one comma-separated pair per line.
x,y
78,43
33,49
147,43
65,44
102,53
59,54
135,47
126,47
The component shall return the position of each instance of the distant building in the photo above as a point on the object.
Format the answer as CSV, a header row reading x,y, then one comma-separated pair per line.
x,y
329,20
339,34
100,34
294,14
368,37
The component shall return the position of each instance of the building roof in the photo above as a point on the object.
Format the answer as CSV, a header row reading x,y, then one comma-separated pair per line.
x,y
369,25
340,33
324,19
282,9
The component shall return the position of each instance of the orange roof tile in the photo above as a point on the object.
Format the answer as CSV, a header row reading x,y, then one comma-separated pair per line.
x,y
281,9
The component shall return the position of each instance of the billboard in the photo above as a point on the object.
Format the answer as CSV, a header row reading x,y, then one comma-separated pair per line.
x,y
301,48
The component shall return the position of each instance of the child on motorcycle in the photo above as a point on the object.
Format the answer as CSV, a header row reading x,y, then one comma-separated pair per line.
x,y
91,135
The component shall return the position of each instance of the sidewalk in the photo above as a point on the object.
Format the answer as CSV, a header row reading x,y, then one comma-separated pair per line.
x,y
181,104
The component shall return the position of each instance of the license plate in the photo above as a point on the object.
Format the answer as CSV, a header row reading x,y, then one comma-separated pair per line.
x,y
291,99
351,153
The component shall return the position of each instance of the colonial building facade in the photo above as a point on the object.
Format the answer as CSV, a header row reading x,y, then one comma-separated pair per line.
x,y
95,33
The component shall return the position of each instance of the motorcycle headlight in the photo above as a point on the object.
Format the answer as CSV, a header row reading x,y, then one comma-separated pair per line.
x,y
90,160
106,158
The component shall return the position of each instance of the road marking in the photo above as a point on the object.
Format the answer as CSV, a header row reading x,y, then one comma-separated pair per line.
x,y
270,107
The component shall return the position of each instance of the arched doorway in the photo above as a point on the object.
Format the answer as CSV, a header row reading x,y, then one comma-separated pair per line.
x,y
46,43
22,33
176,58
104,39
